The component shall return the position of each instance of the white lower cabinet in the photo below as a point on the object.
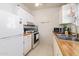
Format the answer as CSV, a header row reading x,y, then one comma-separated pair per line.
x,y
27,44
57,51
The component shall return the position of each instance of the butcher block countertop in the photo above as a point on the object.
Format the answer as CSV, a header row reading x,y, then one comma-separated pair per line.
x,y
25,34
68,47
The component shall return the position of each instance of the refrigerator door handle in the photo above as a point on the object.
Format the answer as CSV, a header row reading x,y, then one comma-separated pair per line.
x,y
11,36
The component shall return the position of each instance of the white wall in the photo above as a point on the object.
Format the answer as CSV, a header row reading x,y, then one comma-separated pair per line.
x,y
46,19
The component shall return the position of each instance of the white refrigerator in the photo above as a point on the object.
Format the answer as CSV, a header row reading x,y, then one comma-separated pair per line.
x,y
11,34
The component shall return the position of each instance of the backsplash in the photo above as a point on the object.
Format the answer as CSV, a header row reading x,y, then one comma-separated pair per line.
x,y
74,29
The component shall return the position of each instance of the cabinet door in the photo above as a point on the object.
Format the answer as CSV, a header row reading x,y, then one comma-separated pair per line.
x,y
21,14
24,15
27,44
57,51
68,11
65,12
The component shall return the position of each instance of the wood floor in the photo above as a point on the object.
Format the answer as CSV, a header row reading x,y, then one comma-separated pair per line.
x,y
43,49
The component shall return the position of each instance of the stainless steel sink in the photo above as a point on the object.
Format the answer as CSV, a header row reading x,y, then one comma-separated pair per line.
x,y
66,37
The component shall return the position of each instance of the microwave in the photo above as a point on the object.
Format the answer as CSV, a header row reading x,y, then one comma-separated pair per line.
x,y
59,30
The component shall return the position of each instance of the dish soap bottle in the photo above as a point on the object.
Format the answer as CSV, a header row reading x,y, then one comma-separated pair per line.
x,y
66,32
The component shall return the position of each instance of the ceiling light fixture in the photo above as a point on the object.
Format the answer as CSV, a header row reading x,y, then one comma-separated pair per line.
x,y
37,4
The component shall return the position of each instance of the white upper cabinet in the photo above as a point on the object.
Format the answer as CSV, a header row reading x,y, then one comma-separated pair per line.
x,y
24,15
67,12
77,20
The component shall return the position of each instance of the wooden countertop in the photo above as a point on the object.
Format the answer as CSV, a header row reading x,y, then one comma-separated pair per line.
x,y
68,47
25,34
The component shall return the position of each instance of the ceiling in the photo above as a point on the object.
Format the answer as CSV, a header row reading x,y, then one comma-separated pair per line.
x,y
32,6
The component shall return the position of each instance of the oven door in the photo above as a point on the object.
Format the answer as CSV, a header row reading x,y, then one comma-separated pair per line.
x,y
36,37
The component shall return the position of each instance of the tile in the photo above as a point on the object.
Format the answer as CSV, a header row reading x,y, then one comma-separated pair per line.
x,y
43,49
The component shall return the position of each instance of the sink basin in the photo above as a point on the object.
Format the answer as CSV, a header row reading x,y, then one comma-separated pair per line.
x,y
65,37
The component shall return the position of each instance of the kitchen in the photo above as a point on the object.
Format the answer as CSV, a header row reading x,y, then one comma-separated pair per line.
x,y
39,29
